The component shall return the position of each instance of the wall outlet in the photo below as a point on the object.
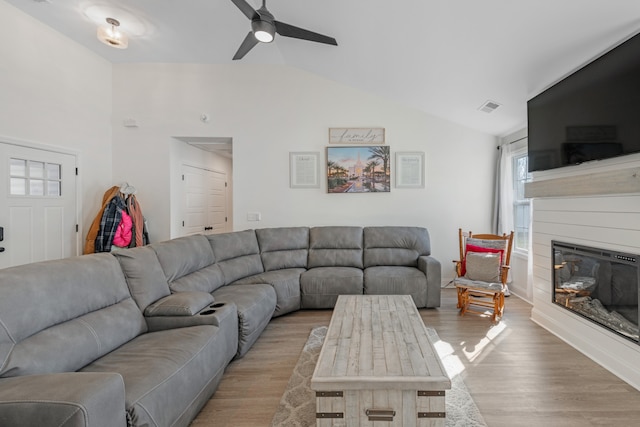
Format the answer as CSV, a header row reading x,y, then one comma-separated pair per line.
x,y
254,216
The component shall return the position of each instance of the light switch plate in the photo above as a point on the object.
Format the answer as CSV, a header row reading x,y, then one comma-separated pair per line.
x,y
254,216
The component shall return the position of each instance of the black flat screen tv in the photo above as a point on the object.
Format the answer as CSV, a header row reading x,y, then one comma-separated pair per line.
x,y
592,114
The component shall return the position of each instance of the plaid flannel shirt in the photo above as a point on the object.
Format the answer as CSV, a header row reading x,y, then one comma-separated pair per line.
x,y
111,218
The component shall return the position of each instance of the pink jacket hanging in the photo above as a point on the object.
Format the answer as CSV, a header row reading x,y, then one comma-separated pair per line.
x,y
122,238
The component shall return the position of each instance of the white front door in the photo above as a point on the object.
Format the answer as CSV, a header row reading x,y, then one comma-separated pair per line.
x,y
37,205
205,201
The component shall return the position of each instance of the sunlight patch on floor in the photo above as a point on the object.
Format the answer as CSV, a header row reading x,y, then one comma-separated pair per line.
x,y
474,352
451,362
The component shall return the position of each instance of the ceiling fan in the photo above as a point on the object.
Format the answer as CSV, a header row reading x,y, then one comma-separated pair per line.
x,y
264,26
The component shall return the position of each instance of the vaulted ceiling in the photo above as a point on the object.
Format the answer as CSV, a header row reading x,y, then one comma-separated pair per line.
x,y
444,57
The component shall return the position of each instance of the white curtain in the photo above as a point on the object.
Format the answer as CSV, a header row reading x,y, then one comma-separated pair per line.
x,y
504,194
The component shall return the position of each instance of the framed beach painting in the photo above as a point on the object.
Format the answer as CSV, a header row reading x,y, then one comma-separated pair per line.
x,y
361,169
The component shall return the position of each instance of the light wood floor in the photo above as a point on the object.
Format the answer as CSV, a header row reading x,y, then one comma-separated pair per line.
x,y
518,373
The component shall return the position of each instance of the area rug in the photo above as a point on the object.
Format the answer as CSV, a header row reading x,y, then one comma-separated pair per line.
x,y
297,406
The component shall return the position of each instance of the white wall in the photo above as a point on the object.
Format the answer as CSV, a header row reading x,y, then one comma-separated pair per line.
x,y
56,93
270,111
604,221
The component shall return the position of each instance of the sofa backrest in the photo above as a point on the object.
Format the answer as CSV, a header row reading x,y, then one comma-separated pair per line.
x,y
399,246
143,272
237,254
335,247
189,264
58,316
286,247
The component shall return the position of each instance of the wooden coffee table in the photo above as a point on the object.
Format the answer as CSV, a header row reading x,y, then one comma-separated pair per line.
x,y
378,364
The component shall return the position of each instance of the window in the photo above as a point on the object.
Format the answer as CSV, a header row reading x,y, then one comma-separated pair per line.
x,y
33,178
521,205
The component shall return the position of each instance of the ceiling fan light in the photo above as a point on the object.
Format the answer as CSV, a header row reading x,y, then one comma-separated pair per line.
x,y
263,31
263,36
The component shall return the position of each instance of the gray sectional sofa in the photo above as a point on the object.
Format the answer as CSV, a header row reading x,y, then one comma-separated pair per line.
x,y
141,337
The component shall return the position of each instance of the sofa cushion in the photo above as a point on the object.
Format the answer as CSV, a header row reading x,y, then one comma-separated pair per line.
x,y
335,247
282,248
69,399
285,282
77,309
188,264
396,280
207,279
166,372
395,245
320,287
144,275
183,255
237,254
255,305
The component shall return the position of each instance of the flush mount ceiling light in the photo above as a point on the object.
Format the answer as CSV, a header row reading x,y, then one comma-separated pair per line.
x,y
111,34
133,25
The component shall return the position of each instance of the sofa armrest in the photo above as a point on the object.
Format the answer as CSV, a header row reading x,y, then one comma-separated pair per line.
x,y
433,270
211,314
73,399
185,303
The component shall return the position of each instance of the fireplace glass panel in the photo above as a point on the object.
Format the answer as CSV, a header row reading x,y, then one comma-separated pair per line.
x,y
599,285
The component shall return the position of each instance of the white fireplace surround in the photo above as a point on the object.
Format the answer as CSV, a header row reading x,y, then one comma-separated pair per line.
x,y
595,204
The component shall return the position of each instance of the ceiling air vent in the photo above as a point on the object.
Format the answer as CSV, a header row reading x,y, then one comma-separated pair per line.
x,y
489,106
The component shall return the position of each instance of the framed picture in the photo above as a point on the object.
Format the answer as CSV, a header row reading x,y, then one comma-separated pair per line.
x,y
358,169
356,135
410,170
304,170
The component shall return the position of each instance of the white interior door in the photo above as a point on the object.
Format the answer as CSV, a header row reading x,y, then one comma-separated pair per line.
x,y
205,201
217,201
37,205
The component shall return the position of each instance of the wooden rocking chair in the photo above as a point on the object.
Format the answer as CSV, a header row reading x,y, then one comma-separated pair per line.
x,y
482,272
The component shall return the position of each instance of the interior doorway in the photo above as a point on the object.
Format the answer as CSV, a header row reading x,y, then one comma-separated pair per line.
x,y
202,185
204,201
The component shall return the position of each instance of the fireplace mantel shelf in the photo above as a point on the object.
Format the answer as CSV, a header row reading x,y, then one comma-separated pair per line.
x,y
611,182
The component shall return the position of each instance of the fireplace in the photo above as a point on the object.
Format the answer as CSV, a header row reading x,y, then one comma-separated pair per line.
x,y
599,285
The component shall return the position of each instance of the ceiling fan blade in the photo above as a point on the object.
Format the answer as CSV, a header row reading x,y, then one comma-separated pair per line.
x,y
245,8
300,33
247,44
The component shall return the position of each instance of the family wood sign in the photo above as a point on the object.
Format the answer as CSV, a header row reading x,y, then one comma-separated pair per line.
x,y
356,135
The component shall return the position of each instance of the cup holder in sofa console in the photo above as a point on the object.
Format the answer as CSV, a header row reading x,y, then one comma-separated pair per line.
x,y
212,306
